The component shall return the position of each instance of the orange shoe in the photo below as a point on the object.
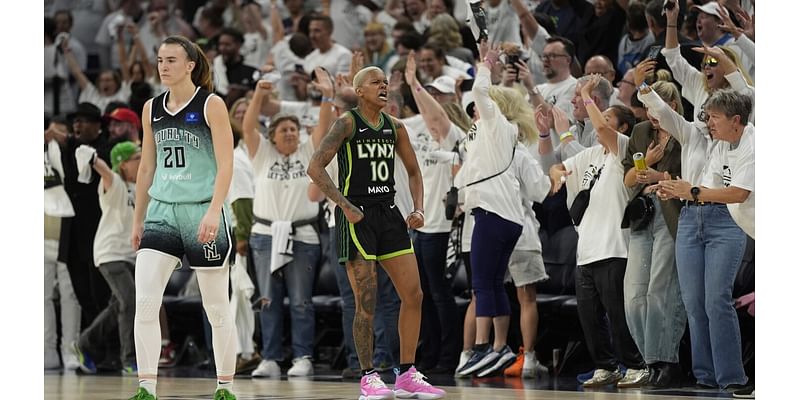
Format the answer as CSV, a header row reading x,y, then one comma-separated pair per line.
x,y
515,370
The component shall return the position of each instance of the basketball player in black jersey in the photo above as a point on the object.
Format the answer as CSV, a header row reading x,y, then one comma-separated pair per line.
x,y
370,228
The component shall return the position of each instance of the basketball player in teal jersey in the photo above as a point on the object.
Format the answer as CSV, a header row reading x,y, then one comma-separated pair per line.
x,y
184,175
370,228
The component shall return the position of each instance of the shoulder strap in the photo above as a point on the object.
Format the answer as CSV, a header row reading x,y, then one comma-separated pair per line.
x,y
513,151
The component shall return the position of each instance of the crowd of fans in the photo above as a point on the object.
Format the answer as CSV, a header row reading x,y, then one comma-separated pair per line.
x,y
630,123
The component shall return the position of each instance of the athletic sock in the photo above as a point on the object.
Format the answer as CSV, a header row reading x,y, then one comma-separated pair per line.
x,y
481,347
365,372
149,385
228,385
404,368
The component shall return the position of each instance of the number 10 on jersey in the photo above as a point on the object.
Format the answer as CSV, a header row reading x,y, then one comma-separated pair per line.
x,y
380,171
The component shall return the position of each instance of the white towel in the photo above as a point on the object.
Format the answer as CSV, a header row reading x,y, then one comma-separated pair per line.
x,y
240,305
56,200
281,244
83,157
220,72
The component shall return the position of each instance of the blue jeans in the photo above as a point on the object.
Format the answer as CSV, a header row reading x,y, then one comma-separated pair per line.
x,y
653,306
387,310
709,249
439,341
295,279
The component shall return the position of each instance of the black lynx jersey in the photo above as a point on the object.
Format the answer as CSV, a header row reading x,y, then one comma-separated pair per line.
x,y
366,160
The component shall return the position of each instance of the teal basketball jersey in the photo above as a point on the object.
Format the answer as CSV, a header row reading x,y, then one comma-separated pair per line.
x,y
185,164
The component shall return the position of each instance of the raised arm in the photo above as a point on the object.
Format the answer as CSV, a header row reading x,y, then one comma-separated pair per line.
x,y
529,24
668,119
416,218
483,80
144,177
325,85
276,22
73,66
606,134
122,52
339,132
267,104
433,114
105,172
250,133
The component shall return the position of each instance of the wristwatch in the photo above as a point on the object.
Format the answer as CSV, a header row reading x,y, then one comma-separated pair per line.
x,y
695,192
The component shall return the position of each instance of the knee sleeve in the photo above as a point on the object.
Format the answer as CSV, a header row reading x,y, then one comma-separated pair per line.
x,y
153,270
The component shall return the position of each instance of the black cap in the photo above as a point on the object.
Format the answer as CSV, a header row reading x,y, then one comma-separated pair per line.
x,y
88,111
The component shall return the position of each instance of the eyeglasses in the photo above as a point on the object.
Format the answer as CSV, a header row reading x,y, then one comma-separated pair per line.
x,y
545,57
710,62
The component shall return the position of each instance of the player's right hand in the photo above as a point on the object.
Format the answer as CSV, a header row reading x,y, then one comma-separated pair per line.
x,y
353,213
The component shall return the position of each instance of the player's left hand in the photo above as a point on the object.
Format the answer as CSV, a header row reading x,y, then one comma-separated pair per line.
x,y
207,231
415,220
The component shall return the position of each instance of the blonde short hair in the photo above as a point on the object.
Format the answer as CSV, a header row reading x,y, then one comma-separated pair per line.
x,y
358,80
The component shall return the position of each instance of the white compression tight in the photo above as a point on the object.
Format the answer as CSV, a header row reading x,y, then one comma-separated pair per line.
x,y
152,274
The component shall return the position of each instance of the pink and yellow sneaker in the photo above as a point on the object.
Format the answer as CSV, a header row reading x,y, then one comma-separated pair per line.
x,y
373,388
412,385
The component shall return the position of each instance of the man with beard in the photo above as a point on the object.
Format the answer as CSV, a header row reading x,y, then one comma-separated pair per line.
x,y
560,86
77,233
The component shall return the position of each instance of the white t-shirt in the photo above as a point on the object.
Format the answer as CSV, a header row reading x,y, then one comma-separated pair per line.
x,y
112,242
489,146
599,234
534,187
255,49
242,185
351,33
435,162
736,168
282,189
559,94
285,60
89,94
336,60
503,23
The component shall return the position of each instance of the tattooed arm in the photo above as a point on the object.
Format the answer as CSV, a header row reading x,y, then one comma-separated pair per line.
x,y
337,134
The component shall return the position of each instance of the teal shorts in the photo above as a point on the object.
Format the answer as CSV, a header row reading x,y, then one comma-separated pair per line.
x,y
171,228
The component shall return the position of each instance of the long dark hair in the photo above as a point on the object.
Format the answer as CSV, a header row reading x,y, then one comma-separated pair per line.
x,y
201,74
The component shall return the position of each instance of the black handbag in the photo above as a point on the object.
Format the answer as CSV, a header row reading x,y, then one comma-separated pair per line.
x,y
581,202
451,201
638,213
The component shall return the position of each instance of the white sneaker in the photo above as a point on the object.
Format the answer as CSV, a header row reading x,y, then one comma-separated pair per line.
x,y
602,377
634,378
301,367
267,369
532,367
465,355
71,362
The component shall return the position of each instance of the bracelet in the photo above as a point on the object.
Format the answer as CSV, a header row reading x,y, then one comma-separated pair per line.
x,y
544,136
326,99
564,135
587,102
672,26
418,211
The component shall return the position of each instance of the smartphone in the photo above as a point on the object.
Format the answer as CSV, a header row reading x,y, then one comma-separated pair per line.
x,y
512,59
466,85
655,50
